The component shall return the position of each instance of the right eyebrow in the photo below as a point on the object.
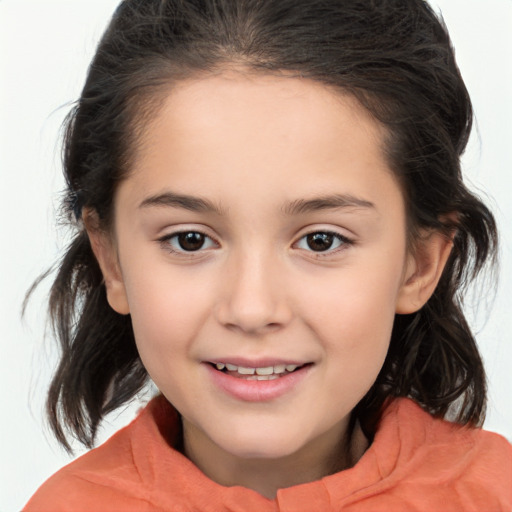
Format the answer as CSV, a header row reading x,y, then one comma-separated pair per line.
x,y
174,200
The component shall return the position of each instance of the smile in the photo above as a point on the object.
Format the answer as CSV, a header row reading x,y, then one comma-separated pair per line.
x,y
261,373
257,383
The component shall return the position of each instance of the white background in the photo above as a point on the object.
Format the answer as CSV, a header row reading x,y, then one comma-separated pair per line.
x,y
45,47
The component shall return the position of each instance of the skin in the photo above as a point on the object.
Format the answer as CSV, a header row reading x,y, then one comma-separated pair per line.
x,y
255,147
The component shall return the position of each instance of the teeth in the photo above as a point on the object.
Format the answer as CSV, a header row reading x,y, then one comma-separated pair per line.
x,y
268,370
260,372
247,371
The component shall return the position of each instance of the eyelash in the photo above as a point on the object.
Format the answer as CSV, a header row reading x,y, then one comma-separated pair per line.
x,y
344,242
165,241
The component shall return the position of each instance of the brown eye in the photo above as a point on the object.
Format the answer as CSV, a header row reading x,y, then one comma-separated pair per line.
x,y
187,242
323,242
319,242
191,241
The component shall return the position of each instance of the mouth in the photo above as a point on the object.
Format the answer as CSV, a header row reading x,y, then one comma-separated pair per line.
x,y
258,381
263,373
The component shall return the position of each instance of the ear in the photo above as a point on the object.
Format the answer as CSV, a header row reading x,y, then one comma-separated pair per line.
x,y
423,270
105,251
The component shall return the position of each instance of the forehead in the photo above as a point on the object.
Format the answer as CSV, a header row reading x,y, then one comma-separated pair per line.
x,y
298,110
248,134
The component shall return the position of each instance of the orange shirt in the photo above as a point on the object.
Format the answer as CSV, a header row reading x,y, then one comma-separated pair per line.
x,y
416,463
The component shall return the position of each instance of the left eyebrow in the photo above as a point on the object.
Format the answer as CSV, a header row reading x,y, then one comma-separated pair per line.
x,y
330,202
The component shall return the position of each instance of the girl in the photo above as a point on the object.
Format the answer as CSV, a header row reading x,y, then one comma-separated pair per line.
x,y
271,224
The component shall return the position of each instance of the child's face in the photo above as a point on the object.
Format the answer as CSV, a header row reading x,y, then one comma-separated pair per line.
x,y
252,168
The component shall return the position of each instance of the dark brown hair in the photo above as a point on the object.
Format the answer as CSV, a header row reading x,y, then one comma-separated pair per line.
x,y
395,58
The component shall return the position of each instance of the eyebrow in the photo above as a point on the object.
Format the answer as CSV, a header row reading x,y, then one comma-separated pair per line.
x,y
329,202
173,200
299,206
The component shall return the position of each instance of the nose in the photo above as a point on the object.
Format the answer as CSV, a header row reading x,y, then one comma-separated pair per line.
x,y
253,297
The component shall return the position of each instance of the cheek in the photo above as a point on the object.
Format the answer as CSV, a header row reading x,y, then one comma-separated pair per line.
x,y
355,299
355,338
353,315
166,316
167,310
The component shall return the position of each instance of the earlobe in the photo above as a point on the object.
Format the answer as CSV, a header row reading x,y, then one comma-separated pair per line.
x,y
423,271
106,255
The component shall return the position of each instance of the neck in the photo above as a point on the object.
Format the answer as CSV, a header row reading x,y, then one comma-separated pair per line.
x,y
324,456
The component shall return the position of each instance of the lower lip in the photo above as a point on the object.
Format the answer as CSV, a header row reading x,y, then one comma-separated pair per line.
x,y
257,390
